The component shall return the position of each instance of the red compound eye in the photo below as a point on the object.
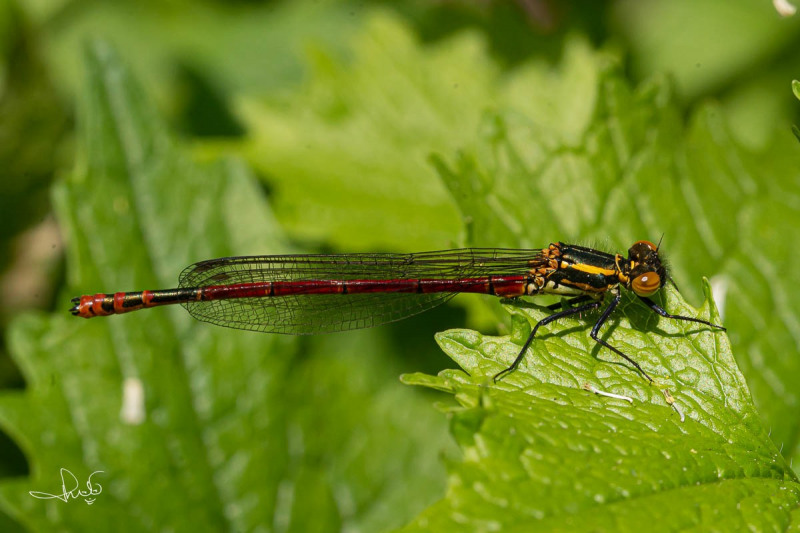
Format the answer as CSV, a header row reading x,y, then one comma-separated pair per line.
x,y
646,284
649,244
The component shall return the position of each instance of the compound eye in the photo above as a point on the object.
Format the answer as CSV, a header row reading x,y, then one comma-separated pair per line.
x,y
649,244
646,284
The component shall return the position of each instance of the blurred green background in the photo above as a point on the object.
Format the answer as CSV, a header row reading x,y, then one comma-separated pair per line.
x,y
325,115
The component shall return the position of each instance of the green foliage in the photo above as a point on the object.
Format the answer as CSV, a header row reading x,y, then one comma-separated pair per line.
x,y
405,145
33,120
542,453
238,432
573,153
698,58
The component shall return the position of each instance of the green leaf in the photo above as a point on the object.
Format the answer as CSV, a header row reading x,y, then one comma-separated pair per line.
x,y
231,430
542,453
348,152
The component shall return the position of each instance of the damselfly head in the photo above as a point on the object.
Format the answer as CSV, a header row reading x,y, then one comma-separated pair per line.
x,y
644,270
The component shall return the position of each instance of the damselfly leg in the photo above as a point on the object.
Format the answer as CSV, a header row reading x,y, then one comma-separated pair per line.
x,y
543,322
595,332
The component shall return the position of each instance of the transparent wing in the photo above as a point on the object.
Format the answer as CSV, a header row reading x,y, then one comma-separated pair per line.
x,y
321,313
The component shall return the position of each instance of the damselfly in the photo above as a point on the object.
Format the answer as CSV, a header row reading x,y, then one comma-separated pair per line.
x,y
309,294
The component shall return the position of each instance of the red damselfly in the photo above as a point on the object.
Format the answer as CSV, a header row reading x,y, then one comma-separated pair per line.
x,y
309,294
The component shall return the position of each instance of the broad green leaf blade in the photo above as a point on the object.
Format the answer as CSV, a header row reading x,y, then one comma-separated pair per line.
x,y
542,453
347,154
230,431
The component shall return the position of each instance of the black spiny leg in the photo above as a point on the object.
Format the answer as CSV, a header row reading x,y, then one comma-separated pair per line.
x,y
572,301
544,322
602,320
655,307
